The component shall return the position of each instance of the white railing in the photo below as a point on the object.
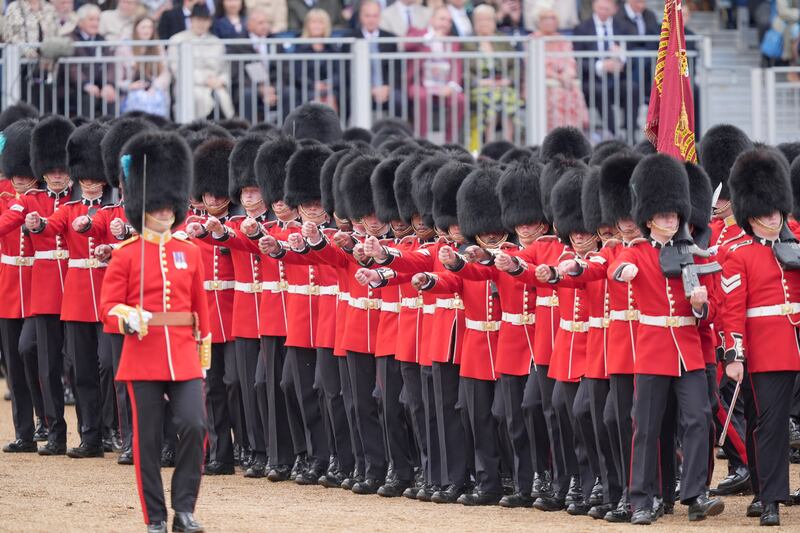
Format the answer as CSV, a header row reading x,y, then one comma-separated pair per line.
x,y
458,91
776,104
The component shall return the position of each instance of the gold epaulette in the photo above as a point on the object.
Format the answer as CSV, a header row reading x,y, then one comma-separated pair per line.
x,y
126,242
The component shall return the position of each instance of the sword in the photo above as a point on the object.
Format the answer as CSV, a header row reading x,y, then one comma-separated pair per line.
x,y
730,414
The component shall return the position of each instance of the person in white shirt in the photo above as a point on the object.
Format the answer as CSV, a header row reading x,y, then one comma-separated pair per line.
x,y
117,24
566,11
402,15
461,21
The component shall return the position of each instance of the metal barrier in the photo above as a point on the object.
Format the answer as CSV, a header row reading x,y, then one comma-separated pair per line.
x,y
469,91
776,104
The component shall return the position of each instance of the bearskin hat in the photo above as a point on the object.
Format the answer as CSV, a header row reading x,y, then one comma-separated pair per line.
x,y
195,138
264,128
211,167
355,186
551,174
794,177
590,202
393,124
422,185
357,134
477,204
566,200
659,184
49,144
382,181
457,150
241,165
403,180
401,148
118,134
388,136
15,151
790,150
520,197
232,124
313,121
17,112
84,160
445,188
700,194
495,150
270,166
718,150
759,186
518,155
303,174
606,149
615,185
326,179
168,175
565,141
339,202
645,147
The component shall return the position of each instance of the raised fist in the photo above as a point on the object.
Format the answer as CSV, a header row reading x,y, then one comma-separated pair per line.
x,y
342,239
543,273
365,275
447,256
310,231
628,273
373,248
473,254
504,262
296,241
566,267
249,226
358,253
81,223
33,221
103,252
193,229
117,228
419,280
268,245
214,226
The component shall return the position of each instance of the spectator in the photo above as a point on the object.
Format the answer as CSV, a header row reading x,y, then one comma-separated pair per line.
x,y
384,75
607,74
462,24
117,24
313,80
176,19
785,21
565,104
145,83
492,92
211,77
436,80
298,9
156,8
566,10
253,83
643,22
94,82
509,17
403,15
29,21
276,11
66,17
230,22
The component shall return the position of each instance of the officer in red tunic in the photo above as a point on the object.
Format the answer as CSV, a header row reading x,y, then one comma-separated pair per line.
x,y
669,356
47,145
761,286
153,291
86,346
16,264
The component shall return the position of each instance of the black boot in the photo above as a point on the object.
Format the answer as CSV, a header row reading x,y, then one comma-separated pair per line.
x,y
703,506
770,515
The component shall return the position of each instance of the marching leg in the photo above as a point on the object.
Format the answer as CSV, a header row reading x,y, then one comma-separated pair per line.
x,y
147,410
50,345
21,398
451,432
390,381
281,450
304,362
186,399
513,389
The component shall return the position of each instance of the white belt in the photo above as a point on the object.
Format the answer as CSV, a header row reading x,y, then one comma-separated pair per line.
x,y
428,309
630,315
450,303
668,321
525,319
547,301
86,263
52,254
365,304
483,325
411,303
344,296
219,285
390,307
599,322
252,288
573,326
314,290
16,260
773,310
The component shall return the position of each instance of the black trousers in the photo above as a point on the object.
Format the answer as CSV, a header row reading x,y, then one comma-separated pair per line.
x,y
296,429
396,430
433,468
233,391
220,437
734,442
652,393
535,423
412,398
109,422
605,438
49,348
280,446
577,464
580,416
148,407
247,355
767,406
621,397
83,349
564,465
19,353
450,428
328,369
303,362
361,368
121,390
479,396
513,391
350,412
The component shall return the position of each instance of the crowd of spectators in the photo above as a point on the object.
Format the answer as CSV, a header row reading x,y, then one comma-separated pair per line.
x,y
440,86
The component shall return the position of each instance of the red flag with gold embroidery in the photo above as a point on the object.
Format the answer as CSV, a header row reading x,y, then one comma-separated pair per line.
x,y
670,117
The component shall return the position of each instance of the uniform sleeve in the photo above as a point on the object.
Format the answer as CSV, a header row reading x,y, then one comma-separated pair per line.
x,y
199,302
114,292
476,272
98,229
234,239
56,224
445,283
13,217
417,261
734,313
627,257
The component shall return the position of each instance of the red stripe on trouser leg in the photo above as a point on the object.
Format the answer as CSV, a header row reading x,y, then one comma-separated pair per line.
x,y
136,463
732,435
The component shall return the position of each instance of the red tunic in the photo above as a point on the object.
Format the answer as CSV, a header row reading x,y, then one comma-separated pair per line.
x,y
173,282
16,267
50,266
100,228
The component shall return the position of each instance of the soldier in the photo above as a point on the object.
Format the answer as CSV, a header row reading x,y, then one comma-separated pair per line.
x,y
760,318
153,291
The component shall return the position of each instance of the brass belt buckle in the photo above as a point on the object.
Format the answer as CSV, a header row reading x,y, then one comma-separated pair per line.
x,y
786,309
313,290
527,319
606,322
256,287
372,304
672,322
488,326
554,301
93,262
20,261
215,285
577,327
61,254
283,285
632,314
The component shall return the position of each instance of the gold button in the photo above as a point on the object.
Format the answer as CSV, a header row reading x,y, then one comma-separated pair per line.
x,y
168,283
169,307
